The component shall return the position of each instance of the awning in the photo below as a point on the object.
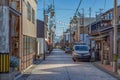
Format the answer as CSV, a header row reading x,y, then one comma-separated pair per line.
x,y
47,42
100,37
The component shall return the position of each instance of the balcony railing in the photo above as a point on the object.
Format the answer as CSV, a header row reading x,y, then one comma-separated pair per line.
x,y
101,25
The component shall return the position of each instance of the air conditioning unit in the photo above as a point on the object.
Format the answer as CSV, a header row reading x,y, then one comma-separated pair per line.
x,y
16,45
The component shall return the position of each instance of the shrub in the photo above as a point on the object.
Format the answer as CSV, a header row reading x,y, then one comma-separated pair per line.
x,y
14,62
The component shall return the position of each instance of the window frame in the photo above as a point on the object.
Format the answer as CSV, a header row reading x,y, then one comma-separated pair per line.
x,y
33,16
28,11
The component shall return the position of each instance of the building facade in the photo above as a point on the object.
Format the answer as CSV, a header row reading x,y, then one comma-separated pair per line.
x,y
40,39
28,34
19,27
10,34
80,30
10,21
102,34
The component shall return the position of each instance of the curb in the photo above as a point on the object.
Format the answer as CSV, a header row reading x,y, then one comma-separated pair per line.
x,y
22,73
27,73
106,71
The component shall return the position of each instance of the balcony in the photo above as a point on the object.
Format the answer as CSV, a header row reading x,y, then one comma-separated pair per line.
x,y
101,25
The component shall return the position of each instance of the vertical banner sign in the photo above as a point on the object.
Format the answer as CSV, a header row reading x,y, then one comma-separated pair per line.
x,y
4,39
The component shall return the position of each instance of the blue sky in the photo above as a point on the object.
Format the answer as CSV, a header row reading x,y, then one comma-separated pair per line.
x,y
65,9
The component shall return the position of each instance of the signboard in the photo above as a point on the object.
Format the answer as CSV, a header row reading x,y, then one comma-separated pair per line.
x,y
4,29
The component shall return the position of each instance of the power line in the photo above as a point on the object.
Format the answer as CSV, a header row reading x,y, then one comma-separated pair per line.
x,y
60,9
104,4
93,5
78,7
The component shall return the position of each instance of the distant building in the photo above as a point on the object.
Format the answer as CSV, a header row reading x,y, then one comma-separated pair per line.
x,y
83,28
40,38
43,38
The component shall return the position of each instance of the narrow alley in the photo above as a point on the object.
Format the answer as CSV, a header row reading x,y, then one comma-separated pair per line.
x,y
60,66
44,39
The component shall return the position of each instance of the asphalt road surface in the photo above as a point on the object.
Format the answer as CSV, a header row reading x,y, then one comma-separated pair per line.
x,y
60,66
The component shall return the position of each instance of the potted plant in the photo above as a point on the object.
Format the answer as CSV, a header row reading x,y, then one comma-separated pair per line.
x,y
14,62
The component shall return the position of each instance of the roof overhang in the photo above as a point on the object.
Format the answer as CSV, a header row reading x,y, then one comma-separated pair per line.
x,y
100,37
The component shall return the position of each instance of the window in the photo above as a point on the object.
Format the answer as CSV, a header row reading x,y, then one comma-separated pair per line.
x,y
24,45
33,16
110,16
81,48
28,45
32,45
28,11
106,16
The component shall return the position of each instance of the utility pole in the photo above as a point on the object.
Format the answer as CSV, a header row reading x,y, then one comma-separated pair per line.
x,y
90,25
115,38
90,18
90,12
100,11
70,32
44,30
78,26
52,20
83,23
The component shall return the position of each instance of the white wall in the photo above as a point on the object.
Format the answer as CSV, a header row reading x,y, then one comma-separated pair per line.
x,y
28,27
86,39
67,35
40,46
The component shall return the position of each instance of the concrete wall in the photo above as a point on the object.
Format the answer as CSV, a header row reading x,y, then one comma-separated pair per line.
x,y
28,27
4,30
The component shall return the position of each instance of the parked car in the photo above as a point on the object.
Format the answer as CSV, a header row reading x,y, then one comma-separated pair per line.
x,y
67,50
81,52
80,43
